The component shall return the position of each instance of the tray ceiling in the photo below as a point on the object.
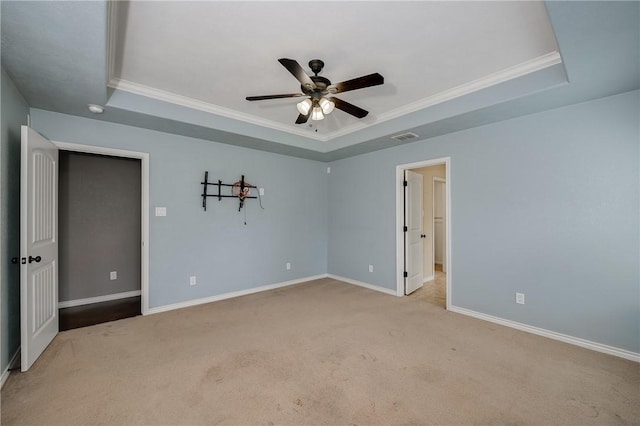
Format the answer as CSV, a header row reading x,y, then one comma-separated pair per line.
x,y
186,67
210,55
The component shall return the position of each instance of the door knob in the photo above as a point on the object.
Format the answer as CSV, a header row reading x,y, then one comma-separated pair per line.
x,y
423,236
34,259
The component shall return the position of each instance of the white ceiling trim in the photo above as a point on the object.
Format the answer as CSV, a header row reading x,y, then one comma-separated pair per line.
x,y
520,70
528,67
164,96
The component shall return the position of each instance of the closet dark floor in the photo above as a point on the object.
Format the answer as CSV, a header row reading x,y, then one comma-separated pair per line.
x,y
96,313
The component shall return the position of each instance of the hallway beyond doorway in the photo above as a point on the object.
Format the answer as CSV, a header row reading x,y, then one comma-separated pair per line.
x,y
434,291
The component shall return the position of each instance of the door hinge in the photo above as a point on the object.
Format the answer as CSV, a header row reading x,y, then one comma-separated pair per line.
x,y
405,274
405,229
404,183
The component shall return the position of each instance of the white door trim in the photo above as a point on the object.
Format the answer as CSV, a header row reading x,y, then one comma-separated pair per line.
x,y
144,237
400,222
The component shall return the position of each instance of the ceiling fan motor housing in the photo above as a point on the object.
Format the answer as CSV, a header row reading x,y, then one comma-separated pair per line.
x,y
321,86
316,66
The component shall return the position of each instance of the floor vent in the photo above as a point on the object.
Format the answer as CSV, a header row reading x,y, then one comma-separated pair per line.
x,y
404,136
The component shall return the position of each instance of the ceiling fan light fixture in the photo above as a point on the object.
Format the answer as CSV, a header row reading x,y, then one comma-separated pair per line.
x,y
304,107
326,105
317,114
315,88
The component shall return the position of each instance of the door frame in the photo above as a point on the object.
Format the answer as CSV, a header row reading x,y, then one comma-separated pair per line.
x,y
400,222
144,200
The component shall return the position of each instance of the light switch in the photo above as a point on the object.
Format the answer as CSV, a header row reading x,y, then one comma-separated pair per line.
x,y
161,211
261,190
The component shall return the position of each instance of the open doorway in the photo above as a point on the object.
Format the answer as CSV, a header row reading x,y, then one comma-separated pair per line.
x,y
423,244
99,228
138,300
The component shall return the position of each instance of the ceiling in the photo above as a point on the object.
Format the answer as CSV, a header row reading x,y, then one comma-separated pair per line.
x,y
186,67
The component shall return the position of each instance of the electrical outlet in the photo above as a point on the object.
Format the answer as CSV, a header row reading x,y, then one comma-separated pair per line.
x,y
520,298
192,280
288,266
161,211
261,191
370,268
113,275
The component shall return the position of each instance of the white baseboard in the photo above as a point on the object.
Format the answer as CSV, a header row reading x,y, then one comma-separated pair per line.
x,y
231,295
363,284
98,299
599,347
7,372
427,279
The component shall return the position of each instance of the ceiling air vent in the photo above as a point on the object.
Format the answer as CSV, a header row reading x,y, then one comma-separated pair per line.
x,y
404,136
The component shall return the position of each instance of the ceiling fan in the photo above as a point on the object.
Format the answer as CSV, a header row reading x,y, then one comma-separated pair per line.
x,y
317,88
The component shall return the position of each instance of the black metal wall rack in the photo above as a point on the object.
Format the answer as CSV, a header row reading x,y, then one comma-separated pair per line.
x,y
242,186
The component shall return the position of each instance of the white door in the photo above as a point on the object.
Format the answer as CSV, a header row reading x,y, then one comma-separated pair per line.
x,y
38,245
413,234
439,222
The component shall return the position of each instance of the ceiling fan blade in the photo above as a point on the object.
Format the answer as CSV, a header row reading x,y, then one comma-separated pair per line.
x,y
262,98
294,68
349,108
303,118
357,83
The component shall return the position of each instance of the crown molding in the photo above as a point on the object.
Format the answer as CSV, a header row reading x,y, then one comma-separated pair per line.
x,y
520,70
496,78
173,98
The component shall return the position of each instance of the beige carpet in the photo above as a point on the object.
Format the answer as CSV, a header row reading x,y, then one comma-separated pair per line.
x,y
324,352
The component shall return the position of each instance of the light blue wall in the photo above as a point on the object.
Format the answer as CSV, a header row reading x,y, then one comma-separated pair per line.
x,y
546,204
14,113
215,246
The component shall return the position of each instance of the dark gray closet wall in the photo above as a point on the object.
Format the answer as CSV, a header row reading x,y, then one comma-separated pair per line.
x,y
99,225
